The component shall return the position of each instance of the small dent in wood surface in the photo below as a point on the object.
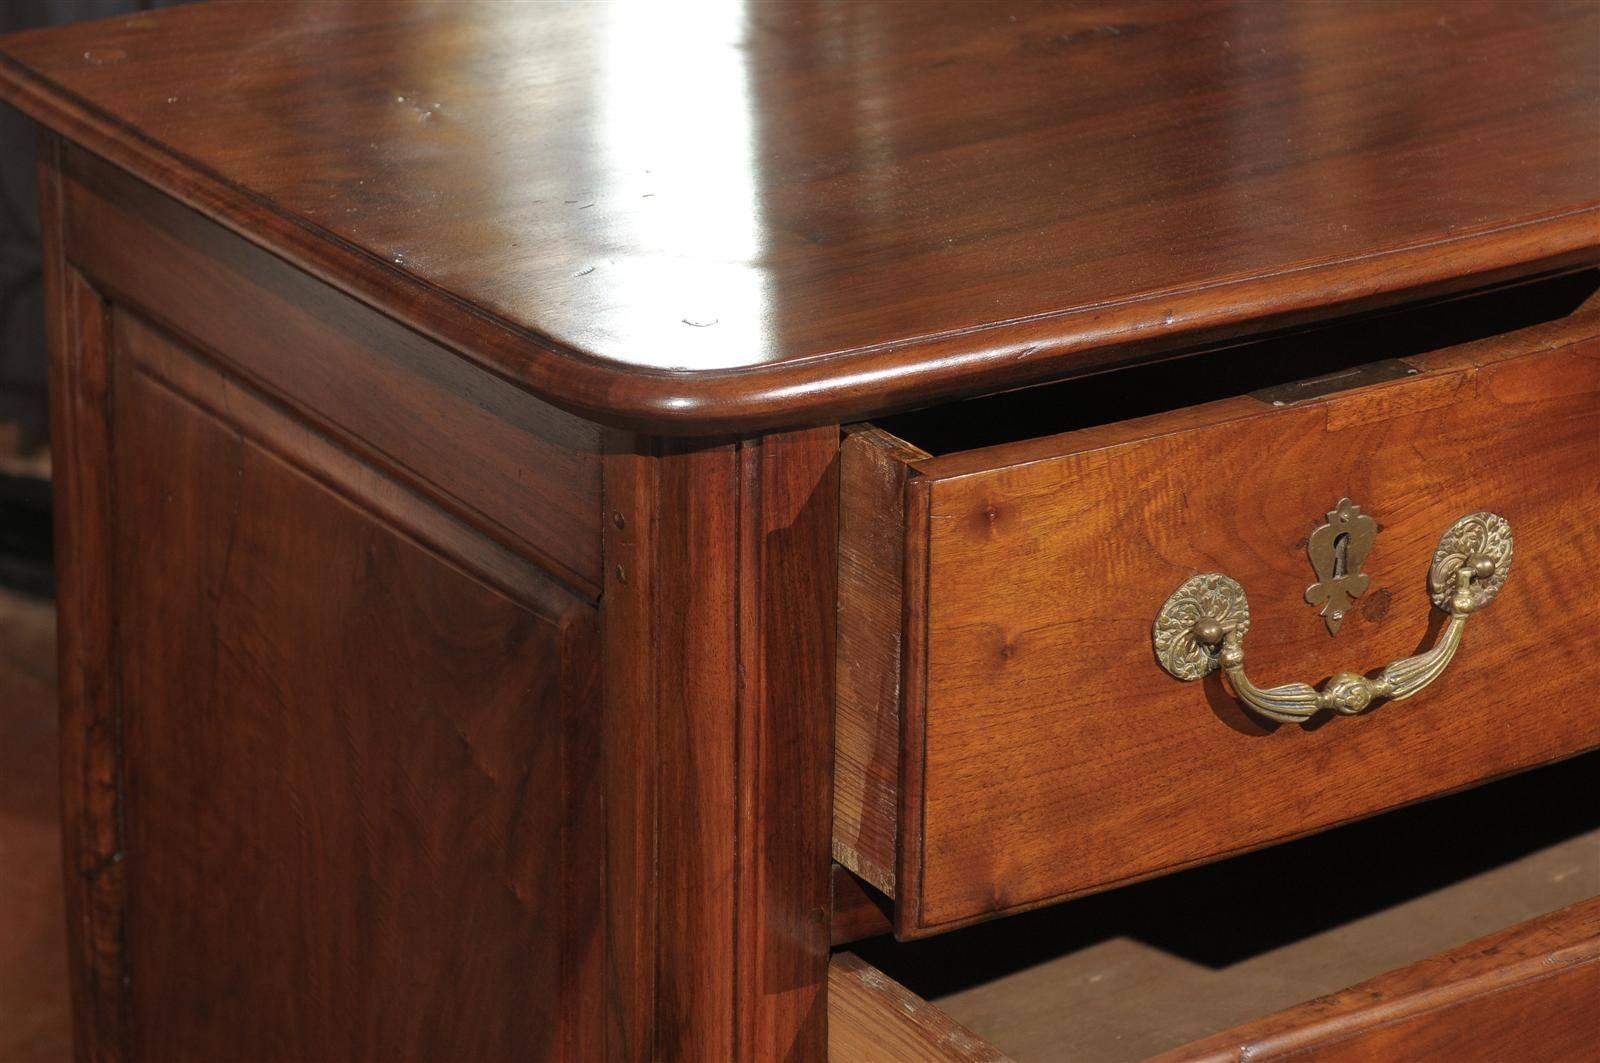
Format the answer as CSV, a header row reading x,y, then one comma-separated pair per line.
x,y
999,895
990,520
470,753
101,866
1009,646
104,56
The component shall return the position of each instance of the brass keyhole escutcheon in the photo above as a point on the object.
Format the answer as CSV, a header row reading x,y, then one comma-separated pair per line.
x,y
1338,549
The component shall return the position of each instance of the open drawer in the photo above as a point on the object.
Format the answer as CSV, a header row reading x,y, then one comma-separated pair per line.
x,y
1007,736
1527,992
1469,928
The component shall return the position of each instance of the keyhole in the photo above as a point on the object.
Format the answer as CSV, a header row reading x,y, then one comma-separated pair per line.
x,y
1341,555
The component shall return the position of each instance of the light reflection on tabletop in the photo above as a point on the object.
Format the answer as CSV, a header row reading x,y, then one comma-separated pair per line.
x,y
723,184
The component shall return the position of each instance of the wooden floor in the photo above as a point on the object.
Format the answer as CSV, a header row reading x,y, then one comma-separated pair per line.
x,y
34,1025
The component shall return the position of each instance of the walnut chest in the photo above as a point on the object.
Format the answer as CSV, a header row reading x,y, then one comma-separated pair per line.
x,y
571,515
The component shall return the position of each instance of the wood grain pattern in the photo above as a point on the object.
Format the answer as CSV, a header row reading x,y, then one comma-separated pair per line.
x,y
745,537
1055,757
630,748
891,203
524,472
874,469
788,570
350,755
91,771
360,701
696,702
667,890
1528,992
874,1019
859,911
319,735
788,561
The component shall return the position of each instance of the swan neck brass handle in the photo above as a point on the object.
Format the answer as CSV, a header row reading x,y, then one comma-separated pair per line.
x,y
1347,693
1201,629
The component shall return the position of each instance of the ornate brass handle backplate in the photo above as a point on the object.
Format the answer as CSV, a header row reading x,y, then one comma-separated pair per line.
x,y
1203,624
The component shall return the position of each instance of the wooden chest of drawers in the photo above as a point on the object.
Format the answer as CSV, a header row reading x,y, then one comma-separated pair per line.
x,y
539,485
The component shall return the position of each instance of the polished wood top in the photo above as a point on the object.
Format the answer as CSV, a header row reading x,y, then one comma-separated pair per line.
x,y
726,216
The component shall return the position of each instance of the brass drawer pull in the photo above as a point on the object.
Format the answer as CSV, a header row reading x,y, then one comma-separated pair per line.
x,y
1202,627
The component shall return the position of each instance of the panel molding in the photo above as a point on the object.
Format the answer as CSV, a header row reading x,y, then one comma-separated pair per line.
x,y
735,544
211,388
99,348
397,710
91,768
520,471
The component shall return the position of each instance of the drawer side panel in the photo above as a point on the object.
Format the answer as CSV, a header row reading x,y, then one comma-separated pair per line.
x,y
873,475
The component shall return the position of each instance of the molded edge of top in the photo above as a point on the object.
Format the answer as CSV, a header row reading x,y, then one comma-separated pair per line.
x,y
847,384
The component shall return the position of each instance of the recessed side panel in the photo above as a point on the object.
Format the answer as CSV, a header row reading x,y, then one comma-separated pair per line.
x,y
524,473
351,783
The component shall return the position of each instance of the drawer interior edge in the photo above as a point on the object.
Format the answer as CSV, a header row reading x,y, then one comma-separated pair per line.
x,y
874,468
1217,384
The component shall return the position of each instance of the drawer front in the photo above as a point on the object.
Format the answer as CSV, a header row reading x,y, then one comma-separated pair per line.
x,y
1037,748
